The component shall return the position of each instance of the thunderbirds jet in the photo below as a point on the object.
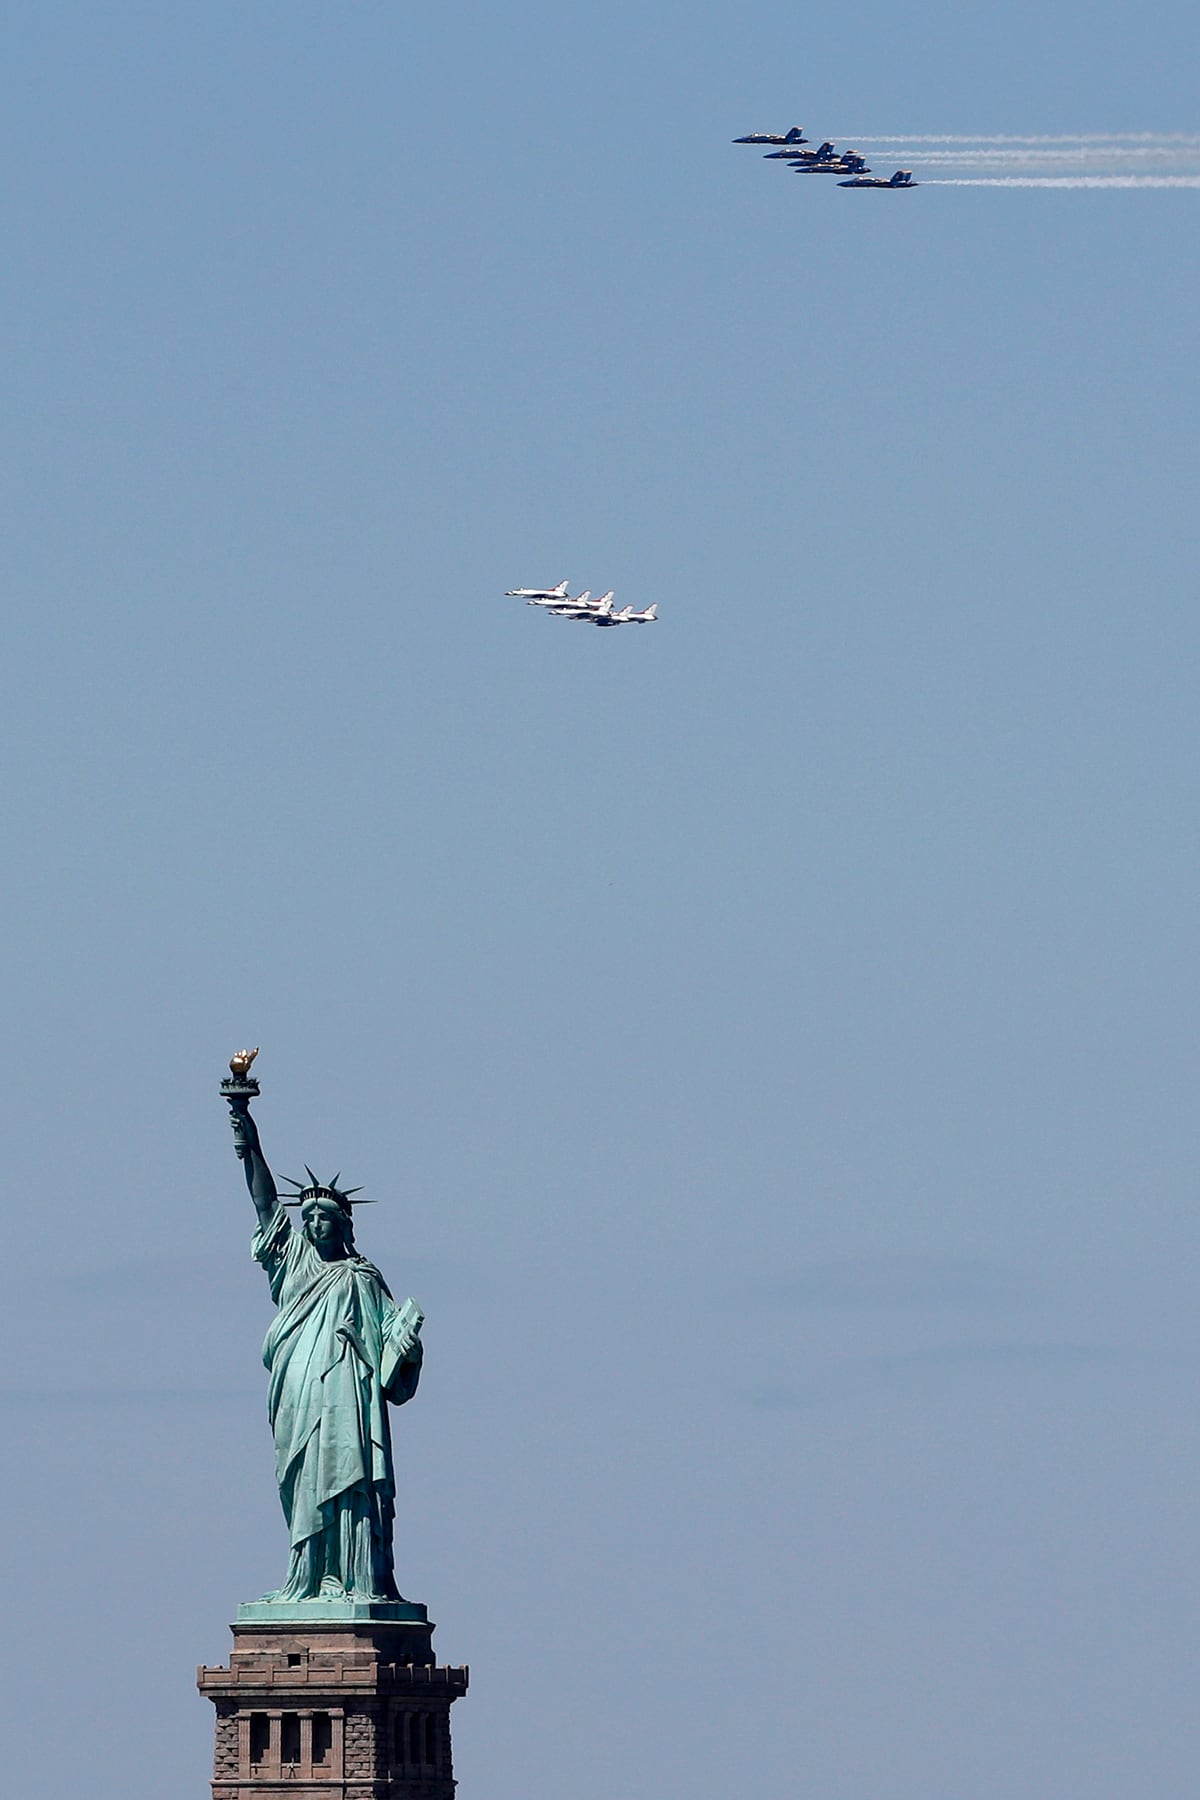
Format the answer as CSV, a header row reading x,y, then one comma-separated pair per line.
x,y
824,153
794,136
901,179
558,593
558,601
585,607
570,609
627,616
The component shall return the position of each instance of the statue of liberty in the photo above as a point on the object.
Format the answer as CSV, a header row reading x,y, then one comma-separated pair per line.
x,y
337,1351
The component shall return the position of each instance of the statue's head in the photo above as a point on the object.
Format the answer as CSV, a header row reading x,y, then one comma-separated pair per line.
x,y
326,1215
327,1226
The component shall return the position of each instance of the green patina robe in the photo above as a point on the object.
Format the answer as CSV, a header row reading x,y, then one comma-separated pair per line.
x,y
335,1358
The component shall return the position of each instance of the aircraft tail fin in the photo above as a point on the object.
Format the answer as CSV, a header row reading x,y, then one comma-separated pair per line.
x,y
561,590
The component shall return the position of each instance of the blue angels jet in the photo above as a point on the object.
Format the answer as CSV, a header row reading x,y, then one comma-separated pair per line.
x,y
901,179
849,163
794,136
822,154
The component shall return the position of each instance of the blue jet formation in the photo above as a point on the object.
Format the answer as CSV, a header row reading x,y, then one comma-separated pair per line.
x,y
826,159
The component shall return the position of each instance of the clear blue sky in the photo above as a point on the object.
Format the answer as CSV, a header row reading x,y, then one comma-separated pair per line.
x,y
773,1036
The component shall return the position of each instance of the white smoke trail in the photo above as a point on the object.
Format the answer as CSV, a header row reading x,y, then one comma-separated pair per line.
x,y
1177,138
1063,181
1060,159
1078,159
1092,154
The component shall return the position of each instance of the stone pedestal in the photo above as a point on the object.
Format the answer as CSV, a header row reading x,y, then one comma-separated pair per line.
x,y
333,1708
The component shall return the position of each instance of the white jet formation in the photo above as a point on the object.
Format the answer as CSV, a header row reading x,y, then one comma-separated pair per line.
x,y
583,609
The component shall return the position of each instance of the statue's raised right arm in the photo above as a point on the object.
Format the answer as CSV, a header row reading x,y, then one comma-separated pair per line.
x,y
259,1178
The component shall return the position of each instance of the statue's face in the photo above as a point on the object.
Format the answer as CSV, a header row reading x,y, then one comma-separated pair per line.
x,y
324,1227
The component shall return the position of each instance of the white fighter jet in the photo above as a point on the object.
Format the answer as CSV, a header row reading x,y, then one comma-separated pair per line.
x,y
599,609
582,602
626,616
584,607
555,593
564,605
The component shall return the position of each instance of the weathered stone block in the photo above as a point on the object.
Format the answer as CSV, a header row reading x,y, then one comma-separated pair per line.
x,y
356,1709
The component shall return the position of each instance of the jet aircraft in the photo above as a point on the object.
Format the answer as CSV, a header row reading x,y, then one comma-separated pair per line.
x,y
557,599
823,153
794,136
555,593
575,609
627,616
851,163
901,179
585,607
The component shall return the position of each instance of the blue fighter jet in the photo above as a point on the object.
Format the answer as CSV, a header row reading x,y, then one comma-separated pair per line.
x,y
901,179
822,154
794,136
850,163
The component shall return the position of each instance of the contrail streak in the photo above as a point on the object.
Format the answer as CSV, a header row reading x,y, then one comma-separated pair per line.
x,y
1077,137
1088,154
981,162
1064,181
1067,159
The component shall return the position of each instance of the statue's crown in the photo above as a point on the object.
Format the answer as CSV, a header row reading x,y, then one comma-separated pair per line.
x,y
312,1189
